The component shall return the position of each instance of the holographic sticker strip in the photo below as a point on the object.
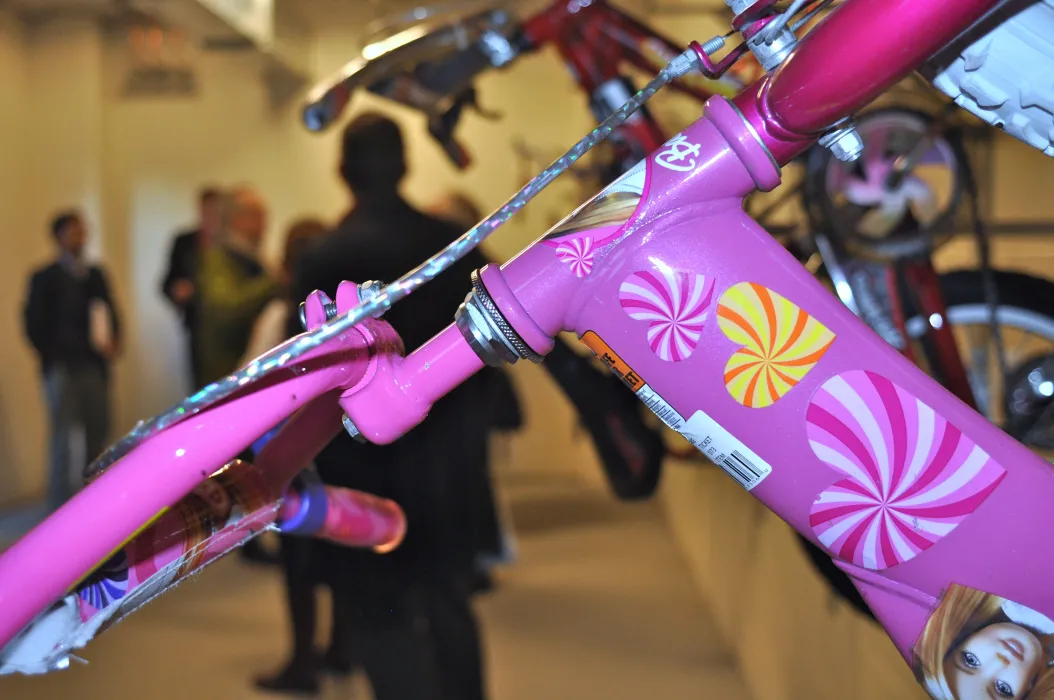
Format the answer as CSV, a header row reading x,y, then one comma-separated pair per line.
x,y
223,512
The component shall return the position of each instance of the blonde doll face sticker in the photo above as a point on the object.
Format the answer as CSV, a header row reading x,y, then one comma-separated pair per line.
x,y
1002,659
979,646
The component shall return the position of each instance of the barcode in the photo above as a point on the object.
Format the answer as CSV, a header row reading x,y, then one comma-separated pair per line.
x,y
742,469
725,450
657,405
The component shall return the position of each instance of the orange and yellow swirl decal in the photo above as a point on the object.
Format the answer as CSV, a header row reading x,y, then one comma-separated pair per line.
x,y
780,343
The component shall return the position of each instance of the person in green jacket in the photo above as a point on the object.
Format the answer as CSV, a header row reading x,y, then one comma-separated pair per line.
x,y
233,285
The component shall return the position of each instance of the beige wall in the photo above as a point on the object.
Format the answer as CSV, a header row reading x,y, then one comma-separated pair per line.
x,y
21,433
51,116
792,638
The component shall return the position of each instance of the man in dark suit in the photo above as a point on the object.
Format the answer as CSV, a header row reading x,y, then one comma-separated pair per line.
x,y
73,325
180,283
408,612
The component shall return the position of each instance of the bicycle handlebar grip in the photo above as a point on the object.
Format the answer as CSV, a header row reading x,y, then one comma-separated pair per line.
x,y
304,507
343,516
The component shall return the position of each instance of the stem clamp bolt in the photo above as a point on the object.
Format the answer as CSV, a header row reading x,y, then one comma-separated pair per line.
x,y
844,142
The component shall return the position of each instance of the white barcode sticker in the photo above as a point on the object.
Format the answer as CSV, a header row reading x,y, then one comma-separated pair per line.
x,y
724,450
657,405
716,443
719,445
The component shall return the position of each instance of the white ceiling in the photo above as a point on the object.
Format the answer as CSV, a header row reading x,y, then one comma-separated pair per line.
x,y
319,14
54,5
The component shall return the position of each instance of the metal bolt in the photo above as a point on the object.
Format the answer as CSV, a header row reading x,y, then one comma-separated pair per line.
x,y
739,6
368,291
713,45
327,304
844,142
349,426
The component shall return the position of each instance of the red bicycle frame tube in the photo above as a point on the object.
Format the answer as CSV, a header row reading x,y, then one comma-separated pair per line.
x,y
595,41
924,283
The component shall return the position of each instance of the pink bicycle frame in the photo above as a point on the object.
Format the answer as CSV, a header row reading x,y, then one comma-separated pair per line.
x,y
729,340
127,512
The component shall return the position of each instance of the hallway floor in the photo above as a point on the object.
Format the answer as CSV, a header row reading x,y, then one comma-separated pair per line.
x,y
599,605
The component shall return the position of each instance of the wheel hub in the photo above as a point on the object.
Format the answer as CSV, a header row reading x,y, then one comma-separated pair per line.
x,y
1029,394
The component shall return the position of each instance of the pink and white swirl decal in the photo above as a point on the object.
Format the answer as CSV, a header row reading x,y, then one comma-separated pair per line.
x,y
675,305
912,477
578,253
598,222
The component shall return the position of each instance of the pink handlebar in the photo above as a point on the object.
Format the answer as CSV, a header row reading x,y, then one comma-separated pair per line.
x,y
50,560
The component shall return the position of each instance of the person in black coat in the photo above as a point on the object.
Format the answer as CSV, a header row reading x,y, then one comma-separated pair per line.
x,y
180,282
404,617
72,322
494,542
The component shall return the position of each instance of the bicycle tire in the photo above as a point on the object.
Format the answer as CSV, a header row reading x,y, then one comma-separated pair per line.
x,y
1032,297
1000,69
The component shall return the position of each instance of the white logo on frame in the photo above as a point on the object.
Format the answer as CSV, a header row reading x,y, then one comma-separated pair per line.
x,y
678,150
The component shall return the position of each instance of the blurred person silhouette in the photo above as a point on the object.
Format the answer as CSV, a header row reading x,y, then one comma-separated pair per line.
x,y
494,540
72,322
233,288
271,325
415,632
180,283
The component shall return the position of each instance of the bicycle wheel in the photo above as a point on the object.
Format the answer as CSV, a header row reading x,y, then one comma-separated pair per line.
x,y
856,203
1026,323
